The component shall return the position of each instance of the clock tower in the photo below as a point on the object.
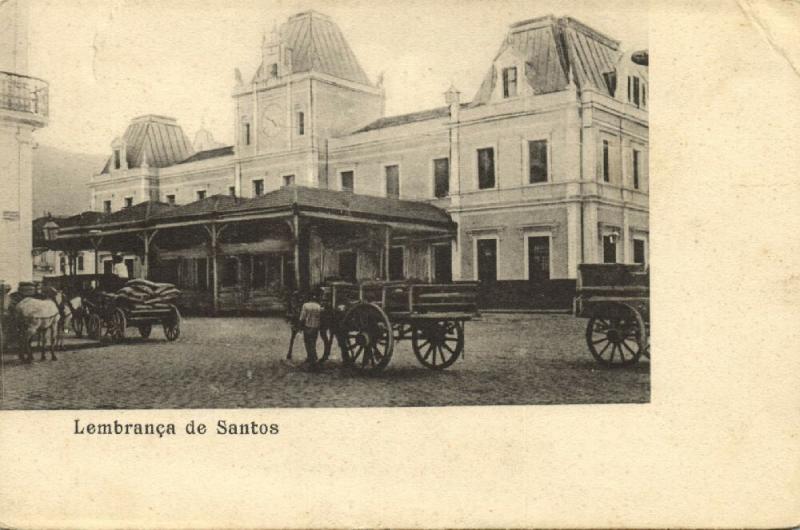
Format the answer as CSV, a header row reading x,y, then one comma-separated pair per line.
x,y
308,88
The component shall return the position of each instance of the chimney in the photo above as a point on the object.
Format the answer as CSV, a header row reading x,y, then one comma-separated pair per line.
x,y
453,98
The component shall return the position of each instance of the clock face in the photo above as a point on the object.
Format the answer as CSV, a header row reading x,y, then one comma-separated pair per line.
x,y
270,120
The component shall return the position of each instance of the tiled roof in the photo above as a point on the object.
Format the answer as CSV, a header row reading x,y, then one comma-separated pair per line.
x,y
137,213
346,204
157,139
207,206
392,121
210,153
318,45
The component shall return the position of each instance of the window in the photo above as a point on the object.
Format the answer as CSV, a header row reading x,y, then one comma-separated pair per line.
x,y
347,180
301,124
117,159
606,172
486,250
288,180
486,168
637,159
509,82
396,263
258,187
537,161
232,191
201,194
609,249
171,199
538,258
80,263
633,90
246,133
441,177
106,206
62,262
273,69
128,202
638,251
393,181
611,82
347,265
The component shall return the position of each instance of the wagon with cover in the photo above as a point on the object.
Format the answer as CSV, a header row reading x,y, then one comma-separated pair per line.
x,y
367,320
615,298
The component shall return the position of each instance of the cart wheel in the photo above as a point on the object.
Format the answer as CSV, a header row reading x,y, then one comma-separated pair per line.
x,y
77,323
437,345
615,341
93,326
172,325
145,329
368,340
117,325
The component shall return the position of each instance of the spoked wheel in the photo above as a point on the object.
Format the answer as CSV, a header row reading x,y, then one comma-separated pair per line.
x,y
615,341
117,325
437,345
77,323
94,326
367,341
144,330
172,325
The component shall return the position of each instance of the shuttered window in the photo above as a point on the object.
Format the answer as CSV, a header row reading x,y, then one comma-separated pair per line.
x,y
441,177
509,82
393,181
347,180
486,168
537,161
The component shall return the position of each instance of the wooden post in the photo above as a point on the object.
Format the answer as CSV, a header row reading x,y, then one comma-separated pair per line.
x,y
296,232
96,241
386,251
146,261
213,232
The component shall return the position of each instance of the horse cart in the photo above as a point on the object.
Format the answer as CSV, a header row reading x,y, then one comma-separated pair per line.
x,y
114,316
368,319
80,293
615,298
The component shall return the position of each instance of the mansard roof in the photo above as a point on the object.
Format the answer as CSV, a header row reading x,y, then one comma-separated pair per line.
x,y
157,140
554,48
318,45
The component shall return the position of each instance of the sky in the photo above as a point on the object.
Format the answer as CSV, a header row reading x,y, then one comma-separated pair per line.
x,y
108,61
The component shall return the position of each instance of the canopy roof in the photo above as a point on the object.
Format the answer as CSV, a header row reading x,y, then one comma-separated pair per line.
x,y
284,202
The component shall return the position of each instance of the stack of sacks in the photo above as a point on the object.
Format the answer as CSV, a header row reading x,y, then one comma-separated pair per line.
x,y
146,292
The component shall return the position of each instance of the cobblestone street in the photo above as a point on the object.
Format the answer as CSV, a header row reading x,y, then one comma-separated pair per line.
x,y
238,363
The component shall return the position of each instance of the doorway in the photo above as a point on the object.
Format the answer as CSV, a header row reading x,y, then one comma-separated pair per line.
x,y
487,260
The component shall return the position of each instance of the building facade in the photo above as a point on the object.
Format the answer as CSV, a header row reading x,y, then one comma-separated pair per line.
x,y
23,109
545,168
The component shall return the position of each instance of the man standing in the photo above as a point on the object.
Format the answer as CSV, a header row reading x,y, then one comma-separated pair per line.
x,y
309,323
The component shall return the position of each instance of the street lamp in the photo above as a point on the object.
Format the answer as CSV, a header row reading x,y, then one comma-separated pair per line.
x,y
50,231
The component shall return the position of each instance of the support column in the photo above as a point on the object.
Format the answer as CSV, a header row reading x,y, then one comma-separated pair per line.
x,y
214,232
386,251
96,242
627,238
147,238
296,234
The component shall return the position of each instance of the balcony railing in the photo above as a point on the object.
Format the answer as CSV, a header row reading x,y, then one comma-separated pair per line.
x,y
22,93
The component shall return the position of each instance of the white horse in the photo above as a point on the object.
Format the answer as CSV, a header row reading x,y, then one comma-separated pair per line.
x,y
35,318
70,320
